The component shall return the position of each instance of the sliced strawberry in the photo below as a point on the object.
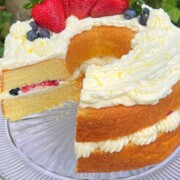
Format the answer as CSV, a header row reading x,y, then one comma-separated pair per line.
x,y
66,7
49,83
50,14
26,89
81,8
109,7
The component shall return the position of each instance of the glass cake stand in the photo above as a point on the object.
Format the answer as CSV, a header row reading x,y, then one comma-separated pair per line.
x,y
41,147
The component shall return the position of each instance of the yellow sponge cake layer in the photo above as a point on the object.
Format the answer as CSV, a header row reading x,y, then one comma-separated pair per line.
x,y
53,69
16,108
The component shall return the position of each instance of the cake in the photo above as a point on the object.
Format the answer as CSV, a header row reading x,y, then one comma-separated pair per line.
x,y
124,71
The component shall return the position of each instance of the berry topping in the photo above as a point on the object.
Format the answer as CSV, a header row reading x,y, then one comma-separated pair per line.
x,y
109,7
143,19
129,14
65,4
81,8
48,14
44,33
32,35
146,11
169,113
34,25
14,92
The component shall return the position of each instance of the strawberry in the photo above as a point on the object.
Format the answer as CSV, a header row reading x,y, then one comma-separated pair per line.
x,y
26,89
81,8
66,7
49,14
49,83
109,7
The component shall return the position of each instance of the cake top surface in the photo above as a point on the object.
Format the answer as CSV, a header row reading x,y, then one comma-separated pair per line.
x,y
144,76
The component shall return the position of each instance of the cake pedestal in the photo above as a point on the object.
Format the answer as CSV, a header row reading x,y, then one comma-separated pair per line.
x,y
41,146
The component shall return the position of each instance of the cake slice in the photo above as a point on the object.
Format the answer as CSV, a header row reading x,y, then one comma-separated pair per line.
x,y
35,88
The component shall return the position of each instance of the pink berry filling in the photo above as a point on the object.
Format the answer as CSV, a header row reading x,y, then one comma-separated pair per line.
x,y
44,84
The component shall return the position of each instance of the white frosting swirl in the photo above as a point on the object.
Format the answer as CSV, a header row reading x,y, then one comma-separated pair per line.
x,y
84,149
159,19
19,29
113,146
170,123
43,47
143,137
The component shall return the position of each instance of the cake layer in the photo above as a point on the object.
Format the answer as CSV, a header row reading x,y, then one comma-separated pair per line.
x,y
98,42
19,107
111,123
53,69
132,156
140,138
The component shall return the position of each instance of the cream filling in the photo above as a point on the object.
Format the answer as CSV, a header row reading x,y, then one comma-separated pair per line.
x,y
37,90
141,138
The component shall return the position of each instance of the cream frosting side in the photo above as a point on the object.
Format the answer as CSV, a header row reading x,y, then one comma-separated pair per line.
x,y
143,137
21,52
170,123
144,76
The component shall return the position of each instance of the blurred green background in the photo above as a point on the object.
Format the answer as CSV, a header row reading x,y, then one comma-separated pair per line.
x,y
172,7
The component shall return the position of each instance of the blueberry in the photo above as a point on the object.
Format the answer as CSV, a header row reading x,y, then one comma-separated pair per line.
x,y
146,11
129,14
34,25
44,33
32,35
14,92
143,19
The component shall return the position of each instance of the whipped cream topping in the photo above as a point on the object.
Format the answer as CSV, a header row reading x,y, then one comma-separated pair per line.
x,y
20,52
43,47
141,138
144,76
158,19
19,30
